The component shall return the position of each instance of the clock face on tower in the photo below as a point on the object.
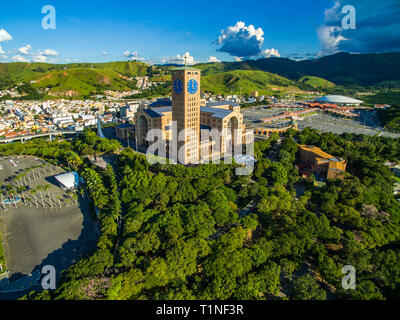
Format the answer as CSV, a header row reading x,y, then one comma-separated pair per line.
x,y
178,86
192,86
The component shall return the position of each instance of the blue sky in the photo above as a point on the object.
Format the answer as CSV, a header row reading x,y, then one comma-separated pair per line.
x,y
163,31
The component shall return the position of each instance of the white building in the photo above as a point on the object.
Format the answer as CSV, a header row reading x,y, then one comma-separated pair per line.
x,y
68,180
339,100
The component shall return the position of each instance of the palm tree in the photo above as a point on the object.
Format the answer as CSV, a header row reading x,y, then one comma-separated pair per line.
x,y
46,188
11,196
33,192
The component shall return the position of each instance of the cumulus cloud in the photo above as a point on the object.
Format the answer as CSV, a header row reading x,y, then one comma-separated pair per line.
x,y
19,58
132,55
5,36
39,58
25,50
268,53
49,53
104,53
178,59
244,42
241,40
330,37
2,51
3,57
377,27
213,59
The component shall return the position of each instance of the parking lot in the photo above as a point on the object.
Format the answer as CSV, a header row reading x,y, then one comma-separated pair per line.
x,y
328,123
367,123
257,113
46,228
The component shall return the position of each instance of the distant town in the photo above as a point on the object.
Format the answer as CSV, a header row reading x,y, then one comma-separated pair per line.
x,y
29,118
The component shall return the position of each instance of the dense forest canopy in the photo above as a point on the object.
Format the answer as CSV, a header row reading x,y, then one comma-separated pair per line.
x,y
176,232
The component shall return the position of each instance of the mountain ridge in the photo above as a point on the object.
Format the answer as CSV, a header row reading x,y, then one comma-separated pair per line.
x,y
340,68
84,79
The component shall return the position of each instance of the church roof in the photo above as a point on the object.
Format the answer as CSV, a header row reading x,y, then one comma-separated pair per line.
x,y
216,113
161,102
157,112
222,103
185,68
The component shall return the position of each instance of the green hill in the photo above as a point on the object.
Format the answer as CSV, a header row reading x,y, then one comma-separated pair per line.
x,y
77,79
20,71
248,81
347,71
316,82
79,82
341,68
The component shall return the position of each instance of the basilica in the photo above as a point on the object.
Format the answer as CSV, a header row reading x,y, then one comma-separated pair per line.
x,y
200,121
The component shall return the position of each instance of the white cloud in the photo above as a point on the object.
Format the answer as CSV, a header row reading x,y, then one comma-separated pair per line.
x,y
213,59
330,37
49,53
25,50
132,55
268,53
240,26
3,57
2,51
241,40
19,58
39,58
178,59
104,53
5,36
377,25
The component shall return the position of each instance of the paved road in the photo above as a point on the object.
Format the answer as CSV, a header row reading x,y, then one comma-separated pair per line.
x,y
39,135
247,209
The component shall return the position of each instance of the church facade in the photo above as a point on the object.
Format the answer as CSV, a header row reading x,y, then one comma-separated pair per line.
x,y
204,131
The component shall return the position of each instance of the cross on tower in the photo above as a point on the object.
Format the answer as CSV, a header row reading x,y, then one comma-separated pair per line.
x,y
185,57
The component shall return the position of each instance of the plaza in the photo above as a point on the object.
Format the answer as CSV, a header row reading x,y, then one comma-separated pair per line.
x,y
49,226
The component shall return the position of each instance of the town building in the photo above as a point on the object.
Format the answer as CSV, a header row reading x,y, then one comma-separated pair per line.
x,y
321,164
127,112
254,94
